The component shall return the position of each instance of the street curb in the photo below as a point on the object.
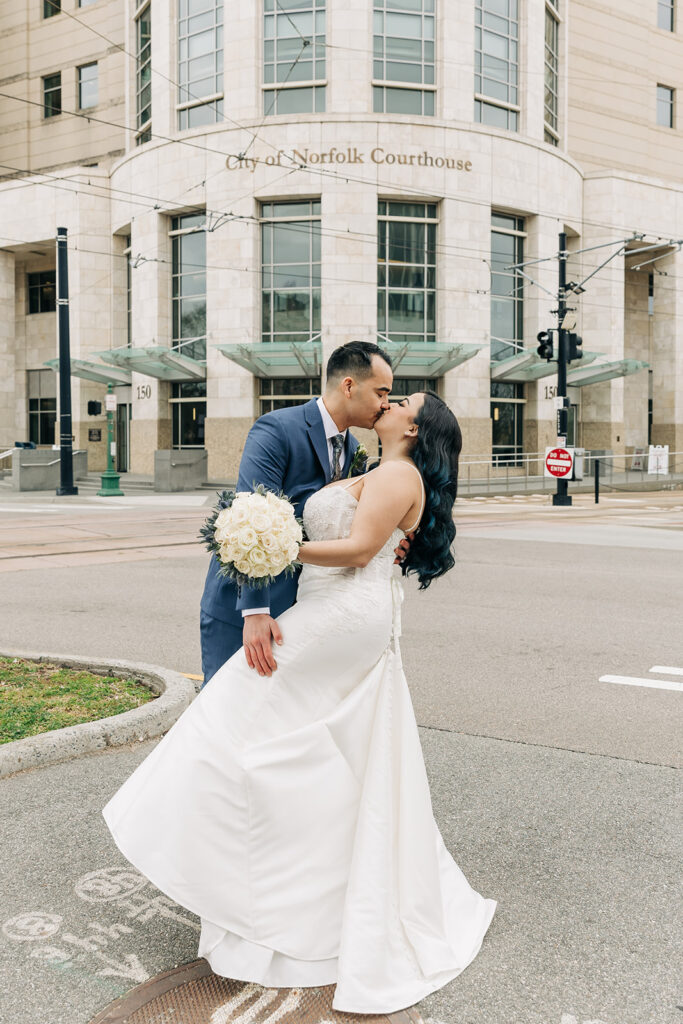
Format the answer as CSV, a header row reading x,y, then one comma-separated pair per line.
x,y
175,691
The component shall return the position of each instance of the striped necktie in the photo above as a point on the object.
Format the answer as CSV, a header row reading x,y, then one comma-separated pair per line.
x,y
337,445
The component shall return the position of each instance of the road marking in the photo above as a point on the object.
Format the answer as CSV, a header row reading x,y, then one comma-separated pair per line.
x,y
654,684
667,670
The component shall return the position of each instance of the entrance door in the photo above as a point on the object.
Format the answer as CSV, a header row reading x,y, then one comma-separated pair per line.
x,y
122,436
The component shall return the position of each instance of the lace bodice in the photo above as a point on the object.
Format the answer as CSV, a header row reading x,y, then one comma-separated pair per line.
x,y
328,515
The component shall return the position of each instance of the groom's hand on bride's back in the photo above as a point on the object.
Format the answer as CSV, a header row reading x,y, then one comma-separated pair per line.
x,y
258,633
403,548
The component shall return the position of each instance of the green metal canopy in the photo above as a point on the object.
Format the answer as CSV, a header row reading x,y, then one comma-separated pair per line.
x,y
427,358
527,366
604,371
94,371
156,361
277,358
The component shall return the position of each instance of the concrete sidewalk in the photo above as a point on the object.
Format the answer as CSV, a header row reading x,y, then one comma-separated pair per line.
x,y
553,786
579,851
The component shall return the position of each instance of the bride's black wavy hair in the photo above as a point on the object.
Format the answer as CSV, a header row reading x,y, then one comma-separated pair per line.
x,y
436,454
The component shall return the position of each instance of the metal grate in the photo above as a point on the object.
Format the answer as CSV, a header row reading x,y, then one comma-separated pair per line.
x,y
192,994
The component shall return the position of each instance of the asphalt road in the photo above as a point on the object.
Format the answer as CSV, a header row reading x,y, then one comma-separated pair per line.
x,y
554,789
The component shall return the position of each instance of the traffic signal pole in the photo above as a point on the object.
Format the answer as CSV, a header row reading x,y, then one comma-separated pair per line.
x,y
66,465
562,497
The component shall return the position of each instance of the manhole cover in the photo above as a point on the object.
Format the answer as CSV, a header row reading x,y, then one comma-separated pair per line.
x,y
192,994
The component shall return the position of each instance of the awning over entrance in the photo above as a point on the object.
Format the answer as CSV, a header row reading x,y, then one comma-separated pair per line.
x,y
276,358
156,361
427,358
94,371
527,366
604,371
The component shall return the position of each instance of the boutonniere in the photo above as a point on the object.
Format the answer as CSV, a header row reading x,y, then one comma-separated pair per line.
x,y
358,462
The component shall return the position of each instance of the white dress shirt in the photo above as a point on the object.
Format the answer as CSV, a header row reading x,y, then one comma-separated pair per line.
x,y
331,430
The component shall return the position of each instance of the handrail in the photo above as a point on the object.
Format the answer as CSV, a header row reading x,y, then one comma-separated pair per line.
x,y
589,454
6,455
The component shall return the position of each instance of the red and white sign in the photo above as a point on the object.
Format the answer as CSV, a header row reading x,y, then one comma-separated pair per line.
x,y
559,462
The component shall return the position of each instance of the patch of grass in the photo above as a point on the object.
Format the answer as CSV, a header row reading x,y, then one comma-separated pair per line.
x,y
36,697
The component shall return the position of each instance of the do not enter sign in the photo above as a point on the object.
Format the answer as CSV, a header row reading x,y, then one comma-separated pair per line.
x,y
559,461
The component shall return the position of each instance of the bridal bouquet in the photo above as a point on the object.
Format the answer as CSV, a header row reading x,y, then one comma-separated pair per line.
x,y
255,536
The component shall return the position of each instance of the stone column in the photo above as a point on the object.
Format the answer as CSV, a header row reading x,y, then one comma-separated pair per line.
x,y
463,315
539,412
349,68
667,356
9,421
601,319
233,315
151,295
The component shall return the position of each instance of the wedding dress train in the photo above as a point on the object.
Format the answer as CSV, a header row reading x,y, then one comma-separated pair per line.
x,y
292,814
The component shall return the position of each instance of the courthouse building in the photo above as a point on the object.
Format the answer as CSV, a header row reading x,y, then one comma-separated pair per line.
x,y
246,186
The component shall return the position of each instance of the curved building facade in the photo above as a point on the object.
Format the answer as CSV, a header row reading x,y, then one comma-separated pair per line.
x,y
297,173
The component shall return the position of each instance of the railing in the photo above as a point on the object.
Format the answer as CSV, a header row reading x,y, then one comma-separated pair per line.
x,y
480,471
8,454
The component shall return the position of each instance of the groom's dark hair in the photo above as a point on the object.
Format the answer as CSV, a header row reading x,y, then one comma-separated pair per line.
x,y
354,360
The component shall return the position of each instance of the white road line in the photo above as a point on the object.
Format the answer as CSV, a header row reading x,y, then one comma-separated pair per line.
x,y
654,684
667,670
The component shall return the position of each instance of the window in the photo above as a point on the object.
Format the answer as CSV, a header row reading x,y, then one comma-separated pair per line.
x,y
188,413
406,271
293,54
665,15
290,274
665,106
552,51
403,386
42,291
143,75
51,7
281,392
42,405
507,335
129,294
496,36
403,54
87,86
86,3
200,62
189,284
52,95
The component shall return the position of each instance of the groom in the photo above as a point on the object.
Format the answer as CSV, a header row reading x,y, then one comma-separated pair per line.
x,y
296,450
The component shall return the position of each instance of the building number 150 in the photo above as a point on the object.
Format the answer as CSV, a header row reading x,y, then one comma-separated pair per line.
x,y
145,391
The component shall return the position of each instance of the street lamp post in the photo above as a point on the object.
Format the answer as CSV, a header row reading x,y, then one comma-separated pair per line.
x,y
110,478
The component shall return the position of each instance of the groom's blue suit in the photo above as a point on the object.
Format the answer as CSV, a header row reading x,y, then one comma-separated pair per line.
x,y
285,450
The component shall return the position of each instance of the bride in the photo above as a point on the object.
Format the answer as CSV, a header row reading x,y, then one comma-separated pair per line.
x,y
292,812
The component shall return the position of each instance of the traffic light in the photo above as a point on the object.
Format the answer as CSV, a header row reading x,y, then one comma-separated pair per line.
x,y
545,348
94,408
574,350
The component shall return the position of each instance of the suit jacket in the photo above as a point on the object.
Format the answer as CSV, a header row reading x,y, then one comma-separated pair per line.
x,y
286,450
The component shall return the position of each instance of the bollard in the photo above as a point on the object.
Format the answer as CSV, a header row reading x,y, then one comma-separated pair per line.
x,y
597,480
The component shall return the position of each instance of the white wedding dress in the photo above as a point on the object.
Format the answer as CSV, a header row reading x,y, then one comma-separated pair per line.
x,y
292,814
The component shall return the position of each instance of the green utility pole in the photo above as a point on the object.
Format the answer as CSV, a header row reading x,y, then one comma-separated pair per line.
x,y
110,478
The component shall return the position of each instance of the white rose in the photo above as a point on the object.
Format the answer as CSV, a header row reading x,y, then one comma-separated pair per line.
x,y
257,559
240,513
269,543
229,551
273,499
257,503
242,566
246,538
261,522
